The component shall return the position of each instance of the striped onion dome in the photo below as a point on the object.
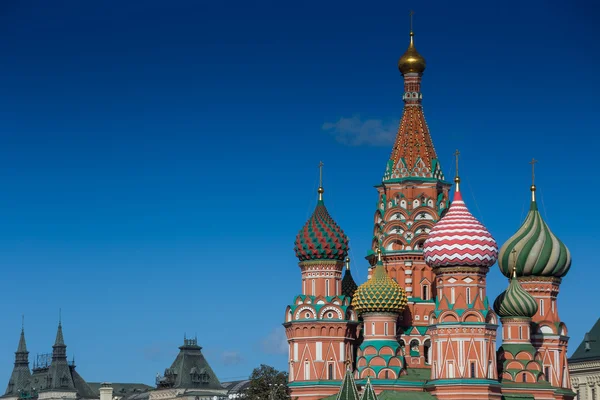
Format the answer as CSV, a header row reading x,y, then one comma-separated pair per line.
x,y
321,238
534,250
515,302
379,294
459,239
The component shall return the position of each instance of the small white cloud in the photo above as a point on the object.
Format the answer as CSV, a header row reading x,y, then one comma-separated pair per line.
x,y
356,132
275,342
232,358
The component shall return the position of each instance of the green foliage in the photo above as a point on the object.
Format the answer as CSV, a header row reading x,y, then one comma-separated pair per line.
x,y
266,383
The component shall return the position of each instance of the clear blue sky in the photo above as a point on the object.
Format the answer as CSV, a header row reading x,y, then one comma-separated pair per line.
x,y
157,161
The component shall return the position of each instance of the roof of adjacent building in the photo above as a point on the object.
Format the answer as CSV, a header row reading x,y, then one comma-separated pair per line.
x,y
589,348
234,387
190,370
122,389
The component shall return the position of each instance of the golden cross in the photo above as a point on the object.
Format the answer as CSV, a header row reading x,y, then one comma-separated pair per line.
x,y
533,162
321,173
411,13
456,154
514,268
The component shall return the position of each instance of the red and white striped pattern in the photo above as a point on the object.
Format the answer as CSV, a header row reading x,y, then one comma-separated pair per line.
x,y
459,239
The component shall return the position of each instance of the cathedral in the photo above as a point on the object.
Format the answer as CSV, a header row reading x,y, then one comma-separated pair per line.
x,y
422,325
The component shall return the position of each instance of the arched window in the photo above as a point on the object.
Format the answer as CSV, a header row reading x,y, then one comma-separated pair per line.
x,y
425,290
524,377
330,371
427,351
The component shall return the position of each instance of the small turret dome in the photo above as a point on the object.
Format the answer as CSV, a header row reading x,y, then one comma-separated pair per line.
x,y
534,250
411,60
515,302
380,293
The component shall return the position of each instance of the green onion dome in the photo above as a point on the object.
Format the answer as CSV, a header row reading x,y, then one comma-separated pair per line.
x,y
379,294
515,302
321,238
534,250
348,285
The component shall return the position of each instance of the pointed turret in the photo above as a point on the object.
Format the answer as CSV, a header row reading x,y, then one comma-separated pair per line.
x,y
413,155
348,390
59,349
348,285
21,375
368,392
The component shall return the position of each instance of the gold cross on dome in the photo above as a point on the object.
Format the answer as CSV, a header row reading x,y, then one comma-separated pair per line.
x,y
456,154
411,13
321,173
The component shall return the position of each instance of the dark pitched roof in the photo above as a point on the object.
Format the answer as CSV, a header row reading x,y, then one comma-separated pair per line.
x,y
190,370
21,375
59,372
589,348
84,391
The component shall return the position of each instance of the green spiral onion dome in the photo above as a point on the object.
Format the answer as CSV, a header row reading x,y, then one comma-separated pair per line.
x,y
348,285
515,302
534,250
379,294
321,238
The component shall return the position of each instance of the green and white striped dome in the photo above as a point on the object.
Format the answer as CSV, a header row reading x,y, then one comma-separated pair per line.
x,y
515,302
534,250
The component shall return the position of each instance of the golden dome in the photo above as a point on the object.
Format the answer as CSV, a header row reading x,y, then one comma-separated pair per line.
x,y
411,60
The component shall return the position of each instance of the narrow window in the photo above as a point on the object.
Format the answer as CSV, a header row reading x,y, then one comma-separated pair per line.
x,y
593,394
373,329
472,370
547,373
542,307
450,370
295,351
303,286
452,296
313,288
481,294
387,374
326,287
468,295
524,377
319,348
520,332
330,372
342,352
440,294
425,292
306,371
385,326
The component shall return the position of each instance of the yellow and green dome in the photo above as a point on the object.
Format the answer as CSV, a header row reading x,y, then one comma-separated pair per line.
x,y
534,250
515,302
379,294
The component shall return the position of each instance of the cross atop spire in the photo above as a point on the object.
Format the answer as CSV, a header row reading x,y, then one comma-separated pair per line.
x,y
457,178
533,162
411,13
321,190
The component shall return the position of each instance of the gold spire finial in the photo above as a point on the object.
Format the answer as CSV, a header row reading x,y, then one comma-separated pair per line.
x,y
379,254
321,190
347,263
533,162
457,178
514,268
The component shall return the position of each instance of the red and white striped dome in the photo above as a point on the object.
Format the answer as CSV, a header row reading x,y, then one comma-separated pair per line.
x,y
459,239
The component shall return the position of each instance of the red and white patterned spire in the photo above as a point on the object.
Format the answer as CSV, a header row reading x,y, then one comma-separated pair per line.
x,y
459,239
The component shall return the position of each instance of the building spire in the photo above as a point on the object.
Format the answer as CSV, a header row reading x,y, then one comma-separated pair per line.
x,y
457,178
533,162
321,190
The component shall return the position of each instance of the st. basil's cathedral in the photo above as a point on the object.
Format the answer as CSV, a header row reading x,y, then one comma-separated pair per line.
x,y
422,326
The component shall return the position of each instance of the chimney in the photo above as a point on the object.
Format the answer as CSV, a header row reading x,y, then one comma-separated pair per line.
x,y
106,391
587,341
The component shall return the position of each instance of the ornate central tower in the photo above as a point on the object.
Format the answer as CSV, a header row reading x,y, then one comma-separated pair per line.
x,y
412,197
